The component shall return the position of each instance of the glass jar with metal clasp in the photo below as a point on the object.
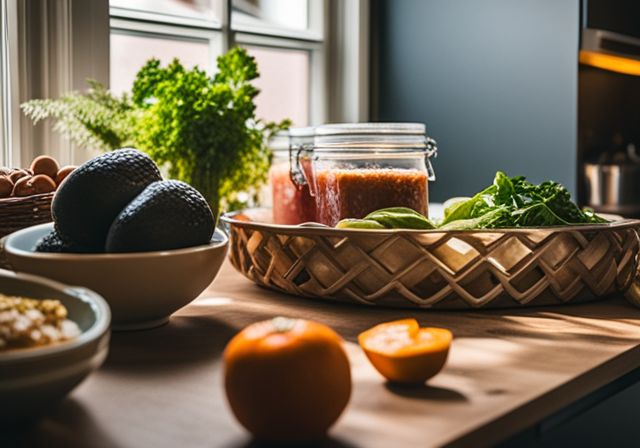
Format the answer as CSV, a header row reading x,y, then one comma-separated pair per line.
x,y
355,169
291,201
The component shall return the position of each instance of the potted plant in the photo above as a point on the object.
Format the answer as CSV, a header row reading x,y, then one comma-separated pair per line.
x,y
202,128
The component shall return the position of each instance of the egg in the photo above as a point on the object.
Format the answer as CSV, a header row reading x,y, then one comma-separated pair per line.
x,y
63,173
17,174
6,187
45,165
37,184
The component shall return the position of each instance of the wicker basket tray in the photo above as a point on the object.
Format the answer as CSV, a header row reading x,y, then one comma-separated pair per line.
x,y
437,269
18,213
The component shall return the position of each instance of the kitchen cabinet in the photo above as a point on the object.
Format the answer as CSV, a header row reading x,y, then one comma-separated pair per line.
x,y
495,81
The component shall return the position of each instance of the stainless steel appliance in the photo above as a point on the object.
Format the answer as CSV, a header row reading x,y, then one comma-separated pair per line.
x,y
608,112
613,188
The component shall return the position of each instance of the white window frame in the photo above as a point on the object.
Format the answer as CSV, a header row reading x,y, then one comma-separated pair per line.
x,y
9,86
143,23
75,42
56,46
167,31
222,36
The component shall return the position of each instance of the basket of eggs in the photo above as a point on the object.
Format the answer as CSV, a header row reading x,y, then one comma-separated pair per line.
x,y
26,195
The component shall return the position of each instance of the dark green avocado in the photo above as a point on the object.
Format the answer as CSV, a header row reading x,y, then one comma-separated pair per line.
x,y
91,197
167,215
53,242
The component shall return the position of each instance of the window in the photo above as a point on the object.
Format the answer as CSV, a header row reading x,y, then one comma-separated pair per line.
x,y
313,56
285,36
8,86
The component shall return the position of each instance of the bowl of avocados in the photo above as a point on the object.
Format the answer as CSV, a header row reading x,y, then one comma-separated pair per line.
x,y
149,246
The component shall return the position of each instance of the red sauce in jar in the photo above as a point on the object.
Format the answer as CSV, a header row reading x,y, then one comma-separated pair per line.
x,y
291,204
354,193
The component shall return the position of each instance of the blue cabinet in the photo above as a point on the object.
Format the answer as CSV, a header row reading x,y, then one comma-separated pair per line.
x,y
494,80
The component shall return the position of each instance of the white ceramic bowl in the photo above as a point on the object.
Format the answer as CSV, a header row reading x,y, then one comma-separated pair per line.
x,y
33,380
143,289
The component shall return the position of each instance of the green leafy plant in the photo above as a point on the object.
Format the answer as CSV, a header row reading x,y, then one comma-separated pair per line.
x,y
203,128
96,118
514,202
508,202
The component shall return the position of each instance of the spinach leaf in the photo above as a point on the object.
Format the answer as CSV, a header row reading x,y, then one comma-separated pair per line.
x,y
359,224
400,218
528,205
472,207
489,220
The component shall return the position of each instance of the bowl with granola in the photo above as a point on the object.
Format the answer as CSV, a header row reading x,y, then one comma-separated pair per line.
x,y
52,336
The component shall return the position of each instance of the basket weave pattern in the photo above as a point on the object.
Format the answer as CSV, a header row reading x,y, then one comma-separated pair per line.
x,y
447,270
19,212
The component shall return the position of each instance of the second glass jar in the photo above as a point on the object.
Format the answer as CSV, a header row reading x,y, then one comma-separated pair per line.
x,y
291,201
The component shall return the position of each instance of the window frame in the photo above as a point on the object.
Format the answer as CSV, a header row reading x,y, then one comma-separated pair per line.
x,y
10,153
168,31
315,32
317,112
76,44
312,40
133,14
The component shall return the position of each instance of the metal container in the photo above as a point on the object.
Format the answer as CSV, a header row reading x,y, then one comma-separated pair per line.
x,y
613,188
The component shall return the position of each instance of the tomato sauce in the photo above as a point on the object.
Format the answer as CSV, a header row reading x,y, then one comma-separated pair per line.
x,y
291,204
354,193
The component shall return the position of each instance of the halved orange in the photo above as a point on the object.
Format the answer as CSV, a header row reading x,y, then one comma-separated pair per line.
x,y
405,353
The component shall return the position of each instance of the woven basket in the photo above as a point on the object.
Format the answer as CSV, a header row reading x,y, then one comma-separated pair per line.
x,y
438,269
18,213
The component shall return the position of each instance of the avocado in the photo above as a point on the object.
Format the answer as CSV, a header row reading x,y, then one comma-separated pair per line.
x,y
53,242
167,215
91,197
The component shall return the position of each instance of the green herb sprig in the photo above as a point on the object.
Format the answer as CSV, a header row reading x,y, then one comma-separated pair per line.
x,y
94,119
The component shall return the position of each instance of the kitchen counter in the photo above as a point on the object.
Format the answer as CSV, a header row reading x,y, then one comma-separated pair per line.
x,y
508,371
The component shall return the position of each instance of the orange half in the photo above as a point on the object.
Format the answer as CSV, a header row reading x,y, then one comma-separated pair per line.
x,y
405,353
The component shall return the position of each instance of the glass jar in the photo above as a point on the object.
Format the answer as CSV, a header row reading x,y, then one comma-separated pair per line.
x,y
291,202
355,169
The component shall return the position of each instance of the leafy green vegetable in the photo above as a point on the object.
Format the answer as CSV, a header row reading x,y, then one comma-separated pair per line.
x,y
514,202
451,204
400,217
508,202
203,128
359,224
487,220
96,119
389,218
206,129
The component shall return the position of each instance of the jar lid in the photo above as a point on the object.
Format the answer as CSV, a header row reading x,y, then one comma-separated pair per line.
x,y
308,131
378,137
279,141
371,128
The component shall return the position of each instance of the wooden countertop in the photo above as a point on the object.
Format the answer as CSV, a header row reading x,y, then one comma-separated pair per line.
x,y
506,371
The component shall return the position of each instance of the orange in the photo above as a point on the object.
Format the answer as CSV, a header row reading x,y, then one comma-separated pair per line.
x,y
405,353
287,380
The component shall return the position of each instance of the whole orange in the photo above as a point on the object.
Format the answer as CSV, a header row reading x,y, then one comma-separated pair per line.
x,y
287,380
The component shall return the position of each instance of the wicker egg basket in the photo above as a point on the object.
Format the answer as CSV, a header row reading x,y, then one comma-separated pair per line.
x,y
496,268
19,212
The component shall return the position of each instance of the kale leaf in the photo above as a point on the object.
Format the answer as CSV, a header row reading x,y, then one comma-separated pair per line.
x,y
514,202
